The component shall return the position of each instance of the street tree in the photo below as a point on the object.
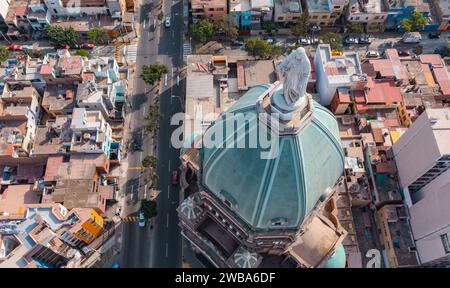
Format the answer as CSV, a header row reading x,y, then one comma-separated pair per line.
x,y
149,208
226,24
357,28
202,31
153,118
415,23
276,51
160,16
334,39
271,28
257,47
301,26
34,53
98,36
4,53
152,73
82,52
418,49
61,35
150,161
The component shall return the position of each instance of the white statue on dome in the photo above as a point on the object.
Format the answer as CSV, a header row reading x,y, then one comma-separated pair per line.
x,y
295,70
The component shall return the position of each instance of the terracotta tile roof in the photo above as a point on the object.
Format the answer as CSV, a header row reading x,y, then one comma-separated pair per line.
x,y
382,91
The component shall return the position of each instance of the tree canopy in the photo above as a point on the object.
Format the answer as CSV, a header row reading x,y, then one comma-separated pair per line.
x,y
415,23
202,31
271,28
98,36
82,52
357,28
225,23
334,39
150,161
61,35
152,119
301,26
260,48
152,73
149,208
4,53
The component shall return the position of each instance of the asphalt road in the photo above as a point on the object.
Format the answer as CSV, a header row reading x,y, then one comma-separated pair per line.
x,y
161,245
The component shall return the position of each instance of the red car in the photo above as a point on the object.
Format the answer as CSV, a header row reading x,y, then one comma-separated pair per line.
x,y
404,53
87,46
174,177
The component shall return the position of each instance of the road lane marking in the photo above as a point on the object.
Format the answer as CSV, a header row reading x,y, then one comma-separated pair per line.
x,y
154,22
178,80
167,250
141,151
168,191
165,80
169,165
167,223
144,24
136,168
145,191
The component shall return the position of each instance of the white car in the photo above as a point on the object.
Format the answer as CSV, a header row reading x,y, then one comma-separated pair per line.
x,y
167,22
304,41
372,54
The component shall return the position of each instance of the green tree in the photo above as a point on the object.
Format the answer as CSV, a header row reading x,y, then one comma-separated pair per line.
x,y
153,118
226,24
152,73
98,36
334,39
202,31
4,53
82,52
257,47
149,208
271,28
418,49
357,28
150,161
416,23
301,26
276,51
35,53
61,35
160,16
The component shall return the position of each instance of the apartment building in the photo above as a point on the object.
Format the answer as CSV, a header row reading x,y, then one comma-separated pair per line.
x,y
287,11
213,10
324,12
422,155
241,13
371,13
442,10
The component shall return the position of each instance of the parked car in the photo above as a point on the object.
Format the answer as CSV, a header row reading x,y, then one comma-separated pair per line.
x,y
304,41
269,41
237,42
434,35
351,40
314,28
372,54
174,177
411,37
141,219
167,22
136,145
87,46
404,53
314,40
364,39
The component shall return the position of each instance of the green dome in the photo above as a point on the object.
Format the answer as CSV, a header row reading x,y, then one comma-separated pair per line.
x,y
273,193
338,259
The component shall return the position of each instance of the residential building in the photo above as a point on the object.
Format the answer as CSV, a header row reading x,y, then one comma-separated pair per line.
x,y
324,12
371,13
38,15
287,11
422,155
116,8
19,115
442,10
241,12
55,137
63,68
91,132
63,8
4,7
399,10
16,19
262,11
337,71
213,10
59,99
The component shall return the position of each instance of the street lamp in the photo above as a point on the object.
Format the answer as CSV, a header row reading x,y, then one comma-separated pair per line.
x,y
181,100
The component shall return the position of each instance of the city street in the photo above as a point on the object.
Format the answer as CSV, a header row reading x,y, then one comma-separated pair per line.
x,y
158,244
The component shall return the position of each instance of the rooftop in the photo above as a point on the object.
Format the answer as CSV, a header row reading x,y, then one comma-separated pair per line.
x,y
15,199
53,137
59,98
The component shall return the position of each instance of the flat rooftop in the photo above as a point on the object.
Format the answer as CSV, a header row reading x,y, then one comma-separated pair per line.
x,y
58,98
15,200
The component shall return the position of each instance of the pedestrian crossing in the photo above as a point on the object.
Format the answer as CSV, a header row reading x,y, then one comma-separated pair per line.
x,y
187,50
130,219
131,53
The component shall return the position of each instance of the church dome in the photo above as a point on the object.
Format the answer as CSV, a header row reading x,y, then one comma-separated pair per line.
x,y
275,193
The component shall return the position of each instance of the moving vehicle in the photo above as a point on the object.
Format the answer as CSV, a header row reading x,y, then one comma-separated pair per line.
x,y
174,177
87,46
372,54
136,145
411,37
434,35
141,219
167,22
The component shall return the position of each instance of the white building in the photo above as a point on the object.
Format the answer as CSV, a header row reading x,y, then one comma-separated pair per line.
x,y
422,155
60,8
336,71
371,13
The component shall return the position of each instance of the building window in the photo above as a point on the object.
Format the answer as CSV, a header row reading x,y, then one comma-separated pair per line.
x,y
54,10
211,9
446,243
324,16
357,18
315,17
219,9
280,18
337,7
376,17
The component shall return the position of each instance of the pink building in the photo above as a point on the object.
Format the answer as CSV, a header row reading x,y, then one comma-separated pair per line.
x,y
212,9
422,155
